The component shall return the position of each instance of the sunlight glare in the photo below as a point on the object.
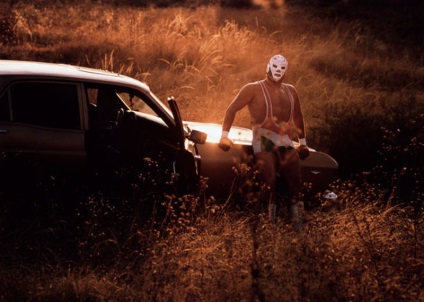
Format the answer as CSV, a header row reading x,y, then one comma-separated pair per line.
x,y
237,134
213,132
268,3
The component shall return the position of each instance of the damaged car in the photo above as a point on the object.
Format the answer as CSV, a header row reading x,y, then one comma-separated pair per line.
x,y
71,120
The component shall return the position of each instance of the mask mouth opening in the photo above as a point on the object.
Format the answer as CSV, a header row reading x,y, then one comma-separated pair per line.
x,y
277,75
276,78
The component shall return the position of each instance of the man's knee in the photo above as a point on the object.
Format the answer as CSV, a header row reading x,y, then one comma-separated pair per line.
x,y
265,164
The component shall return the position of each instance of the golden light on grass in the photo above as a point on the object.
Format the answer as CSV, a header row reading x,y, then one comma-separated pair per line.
x,y
353,80
268,3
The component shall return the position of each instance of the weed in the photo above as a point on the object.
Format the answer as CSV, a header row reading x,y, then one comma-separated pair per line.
x,y
360,85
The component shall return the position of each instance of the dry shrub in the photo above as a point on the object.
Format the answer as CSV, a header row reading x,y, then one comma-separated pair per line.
x,y
360,254
367,245
203,56
55,283
211,262
359,248
363,251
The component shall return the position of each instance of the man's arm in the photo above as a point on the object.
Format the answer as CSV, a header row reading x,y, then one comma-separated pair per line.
x,y
298,115
242,99
300,125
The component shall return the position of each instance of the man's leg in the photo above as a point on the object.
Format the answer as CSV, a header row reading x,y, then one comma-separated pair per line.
x,y
290,171
266,165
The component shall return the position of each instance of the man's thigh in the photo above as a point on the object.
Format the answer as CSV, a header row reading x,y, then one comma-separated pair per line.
x,y
266,163
289,170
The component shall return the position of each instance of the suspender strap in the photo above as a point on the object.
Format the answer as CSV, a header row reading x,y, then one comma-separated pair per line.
x,y
269,103
267,100
288,92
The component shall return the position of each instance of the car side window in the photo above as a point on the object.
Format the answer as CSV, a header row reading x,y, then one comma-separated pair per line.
x,y
106,100
4,108
54,105
136,103
103,105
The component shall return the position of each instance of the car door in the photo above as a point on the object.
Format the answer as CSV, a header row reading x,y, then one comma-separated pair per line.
x,y
126,126
144,130
41,125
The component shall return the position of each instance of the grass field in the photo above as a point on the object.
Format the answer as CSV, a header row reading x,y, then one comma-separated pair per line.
x,y
355,73
360,76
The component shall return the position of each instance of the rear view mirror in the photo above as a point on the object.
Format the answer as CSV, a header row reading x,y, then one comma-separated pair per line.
x,y
198,137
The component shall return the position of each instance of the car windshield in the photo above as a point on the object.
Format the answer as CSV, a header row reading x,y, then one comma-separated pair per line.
x,y
162,105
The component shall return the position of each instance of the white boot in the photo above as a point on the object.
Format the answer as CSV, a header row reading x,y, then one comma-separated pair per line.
x,y
272,212
296,212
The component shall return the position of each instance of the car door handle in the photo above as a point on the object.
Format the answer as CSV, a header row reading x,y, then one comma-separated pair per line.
x,y
3,131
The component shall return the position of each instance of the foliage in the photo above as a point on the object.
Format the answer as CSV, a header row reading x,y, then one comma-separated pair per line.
x,y
360,80
364,245
358,249
348,71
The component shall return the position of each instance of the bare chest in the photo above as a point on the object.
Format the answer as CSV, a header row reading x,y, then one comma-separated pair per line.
x,y
278,107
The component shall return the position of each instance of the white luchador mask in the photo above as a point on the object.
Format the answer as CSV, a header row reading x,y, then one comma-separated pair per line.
x,y
277,67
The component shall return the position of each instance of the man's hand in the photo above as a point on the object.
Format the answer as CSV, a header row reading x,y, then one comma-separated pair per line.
x,y
303,151
225,143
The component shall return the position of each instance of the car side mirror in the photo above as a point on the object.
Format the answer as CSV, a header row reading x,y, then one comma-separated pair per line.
x,y
198,137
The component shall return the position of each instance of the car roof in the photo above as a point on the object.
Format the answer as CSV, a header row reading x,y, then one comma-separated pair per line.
x,y
15,68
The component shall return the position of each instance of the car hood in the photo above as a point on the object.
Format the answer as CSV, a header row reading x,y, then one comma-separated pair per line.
x,y
239,135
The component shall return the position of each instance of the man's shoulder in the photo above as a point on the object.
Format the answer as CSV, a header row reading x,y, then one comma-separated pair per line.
x,y
253,85
291,88
249,92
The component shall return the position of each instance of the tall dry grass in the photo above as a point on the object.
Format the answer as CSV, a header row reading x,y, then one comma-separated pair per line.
x,y
360,80
339,61
360,251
